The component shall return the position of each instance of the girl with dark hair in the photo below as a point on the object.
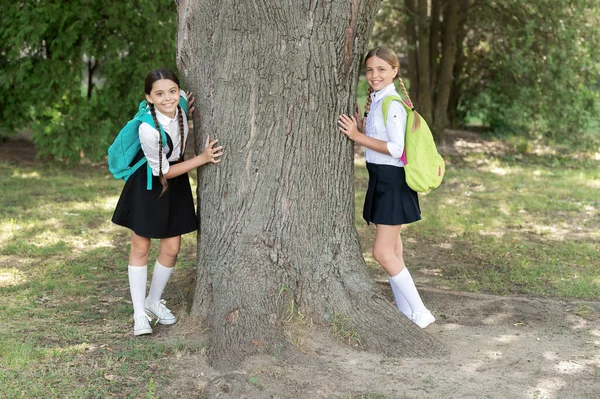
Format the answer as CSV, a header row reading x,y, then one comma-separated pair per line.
x,y
389,201
166,211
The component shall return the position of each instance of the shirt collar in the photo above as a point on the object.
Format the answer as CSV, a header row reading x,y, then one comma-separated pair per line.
x,y
164,119
378,95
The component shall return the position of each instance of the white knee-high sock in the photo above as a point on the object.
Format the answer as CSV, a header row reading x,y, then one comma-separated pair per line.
x,y
405,284
160,278
401,302
137,286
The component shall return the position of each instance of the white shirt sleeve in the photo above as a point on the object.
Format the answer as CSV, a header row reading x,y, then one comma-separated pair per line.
x,y
149,142
396,129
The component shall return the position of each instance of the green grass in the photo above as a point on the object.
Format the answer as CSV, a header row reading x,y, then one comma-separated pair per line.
x,y
66,330
342,329
508,224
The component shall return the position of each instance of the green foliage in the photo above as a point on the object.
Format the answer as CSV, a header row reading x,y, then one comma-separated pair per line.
x,y
524,67
73,72
534,66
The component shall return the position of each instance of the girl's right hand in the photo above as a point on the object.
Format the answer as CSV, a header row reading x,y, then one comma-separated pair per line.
x,y
211,154
349,126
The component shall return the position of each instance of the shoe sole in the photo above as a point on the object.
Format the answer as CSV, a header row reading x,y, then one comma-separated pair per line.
x,y
428,324
161,321
142,332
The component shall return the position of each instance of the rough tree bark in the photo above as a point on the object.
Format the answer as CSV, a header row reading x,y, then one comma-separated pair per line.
x,y
426,95
446,69
277,215
411,44
438,46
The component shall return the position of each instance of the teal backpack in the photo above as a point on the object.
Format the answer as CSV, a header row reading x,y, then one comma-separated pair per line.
x,y
124,150
424,166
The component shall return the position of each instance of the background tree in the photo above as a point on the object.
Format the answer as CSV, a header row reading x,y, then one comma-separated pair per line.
x,y
276,216
73,72
507,64
535,66
431,33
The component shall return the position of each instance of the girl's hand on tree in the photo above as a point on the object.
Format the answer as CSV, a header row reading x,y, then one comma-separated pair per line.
x,y
360,122
348,126
211,154
191,99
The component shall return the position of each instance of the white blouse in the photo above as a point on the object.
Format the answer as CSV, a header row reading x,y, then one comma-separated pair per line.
x,y
149,139
393,132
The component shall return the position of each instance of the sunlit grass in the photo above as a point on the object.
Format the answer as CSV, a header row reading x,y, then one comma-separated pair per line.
x,y
498,224
64,298
506,227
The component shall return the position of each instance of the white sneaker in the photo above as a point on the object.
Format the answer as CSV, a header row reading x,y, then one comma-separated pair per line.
x,y
141,325
423,319
161,312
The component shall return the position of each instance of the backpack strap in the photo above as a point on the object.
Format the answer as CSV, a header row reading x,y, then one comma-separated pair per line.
x,y
384,109
386,104
144,115
149,120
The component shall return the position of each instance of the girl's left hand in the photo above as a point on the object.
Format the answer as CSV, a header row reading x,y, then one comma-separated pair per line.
x,y
191,99
349,126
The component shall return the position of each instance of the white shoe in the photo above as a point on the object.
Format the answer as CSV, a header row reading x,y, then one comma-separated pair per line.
x,y
423,319
141,325
161,312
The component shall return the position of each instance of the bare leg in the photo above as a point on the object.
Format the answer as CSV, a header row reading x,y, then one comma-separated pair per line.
x,y
384,249
138,253
169,249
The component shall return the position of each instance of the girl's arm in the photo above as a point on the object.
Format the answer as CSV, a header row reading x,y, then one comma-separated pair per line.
x,y
348,126
396,129
211,154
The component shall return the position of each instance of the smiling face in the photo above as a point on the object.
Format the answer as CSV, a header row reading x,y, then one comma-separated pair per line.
x,y
380,73
165,96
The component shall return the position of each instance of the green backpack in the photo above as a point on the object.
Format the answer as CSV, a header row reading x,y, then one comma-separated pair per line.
x,y
424,166
124,150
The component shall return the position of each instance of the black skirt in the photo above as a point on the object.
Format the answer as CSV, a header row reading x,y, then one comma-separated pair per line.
x,y
389,200
148,214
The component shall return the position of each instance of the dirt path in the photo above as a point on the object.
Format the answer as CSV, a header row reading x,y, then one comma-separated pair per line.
x,y
499,347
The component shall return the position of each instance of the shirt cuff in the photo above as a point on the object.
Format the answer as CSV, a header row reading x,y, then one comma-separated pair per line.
x,y
395,150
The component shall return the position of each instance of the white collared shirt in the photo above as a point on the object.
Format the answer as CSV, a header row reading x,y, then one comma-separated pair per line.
x,y
392,132
149,139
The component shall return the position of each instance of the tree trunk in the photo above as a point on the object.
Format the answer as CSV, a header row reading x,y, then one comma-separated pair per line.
x,y
453,117
449,45
277,215
434,40
425,105
411,44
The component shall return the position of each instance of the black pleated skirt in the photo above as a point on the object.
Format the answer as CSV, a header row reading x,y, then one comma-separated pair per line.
x,y
148,214
389,200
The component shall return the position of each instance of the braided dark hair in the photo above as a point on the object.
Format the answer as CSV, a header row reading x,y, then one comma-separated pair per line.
x,y
368,104
161,176
181,131
152,77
